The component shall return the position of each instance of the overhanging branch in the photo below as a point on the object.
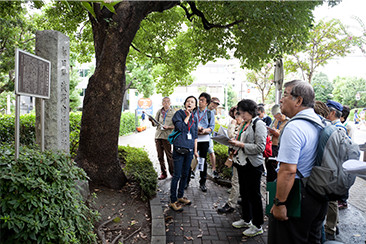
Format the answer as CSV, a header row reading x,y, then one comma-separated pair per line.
x,y
147,55
206,24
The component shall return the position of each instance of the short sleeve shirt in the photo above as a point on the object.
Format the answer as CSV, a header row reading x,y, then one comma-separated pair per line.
x,y
298,143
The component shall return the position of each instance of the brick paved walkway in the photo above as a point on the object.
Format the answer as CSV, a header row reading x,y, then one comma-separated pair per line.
x,y
200,222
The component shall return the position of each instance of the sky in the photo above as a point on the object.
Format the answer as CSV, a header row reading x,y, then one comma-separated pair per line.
x,y
355,63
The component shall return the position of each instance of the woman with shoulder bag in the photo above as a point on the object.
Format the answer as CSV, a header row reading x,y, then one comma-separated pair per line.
x,y
250,145
184,146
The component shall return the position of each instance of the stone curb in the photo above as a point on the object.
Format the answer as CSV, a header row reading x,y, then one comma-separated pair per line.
x,y
158,234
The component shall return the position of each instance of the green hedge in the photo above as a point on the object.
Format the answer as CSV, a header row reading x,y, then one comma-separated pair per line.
x,y
28,134
39,200
127,123
139,167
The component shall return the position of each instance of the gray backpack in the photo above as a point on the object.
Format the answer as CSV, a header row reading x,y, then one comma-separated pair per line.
x,y
328,181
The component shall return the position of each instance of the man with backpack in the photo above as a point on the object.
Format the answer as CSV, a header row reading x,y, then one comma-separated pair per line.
x,y
297,153
330,227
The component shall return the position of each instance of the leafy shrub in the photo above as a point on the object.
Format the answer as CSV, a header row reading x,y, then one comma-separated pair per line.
x,y
139,167
27,131
39,200
127,125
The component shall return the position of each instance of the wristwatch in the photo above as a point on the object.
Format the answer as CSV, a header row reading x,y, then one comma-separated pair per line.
x,y
277,202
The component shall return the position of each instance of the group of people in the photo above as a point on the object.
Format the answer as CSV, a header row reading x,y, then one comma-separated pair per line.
x,y
194,124
293,155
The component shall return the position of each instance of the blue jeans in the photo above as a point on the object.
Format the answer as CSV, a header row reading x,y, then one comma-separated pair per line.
x,y
182,166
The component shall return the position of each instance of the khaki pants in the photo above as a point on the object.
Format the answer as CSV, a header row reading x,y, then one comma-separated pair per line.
x,y
332,217
234,193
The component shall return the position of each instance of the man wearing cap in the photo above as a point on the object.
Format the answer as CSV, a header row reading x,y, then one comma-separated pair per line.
x,y
330,227
215,102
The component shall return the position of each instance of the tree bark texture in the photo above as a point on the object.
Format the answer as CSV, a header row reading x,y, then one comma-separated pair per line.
x,y
113,35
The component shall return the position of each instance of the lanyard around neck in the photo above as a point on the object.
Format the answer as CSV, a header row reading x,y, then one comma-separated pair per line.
x,y
198,115
189,121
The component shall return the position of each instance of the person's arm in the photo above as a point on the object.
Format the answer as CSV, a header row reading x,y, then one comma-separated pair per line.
x,y
259,144
195,152
179,121
285,180
231,129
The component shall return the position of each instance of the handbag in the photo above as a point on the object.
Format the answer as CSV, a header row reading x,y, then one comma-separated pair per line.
x,y
229,160
293,202
268,150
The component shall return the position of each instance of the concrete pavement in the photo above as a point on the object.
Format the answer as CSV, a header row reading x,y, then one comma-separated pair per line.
x,y
200,223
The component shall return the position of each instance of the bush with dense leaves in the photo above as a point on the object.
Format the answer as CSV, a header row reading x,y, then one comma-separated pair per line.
x,y
139,167
39,200
127,125
27,131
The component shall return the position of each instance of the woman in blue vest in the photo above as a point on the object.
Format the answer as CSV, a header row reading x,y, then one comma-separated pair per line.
x,y
184,146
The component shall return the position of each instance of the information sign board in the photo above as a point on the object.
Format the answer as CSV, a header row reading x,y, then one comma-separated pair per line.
x,y
32,75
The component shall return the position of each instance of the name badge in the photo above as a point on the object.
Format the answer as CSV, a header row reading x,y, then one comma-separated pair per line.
x,y
189,136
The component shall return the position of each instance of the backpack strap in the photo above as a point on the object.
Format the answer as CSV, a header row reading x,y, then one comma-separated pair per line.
x,y
209,116
254,124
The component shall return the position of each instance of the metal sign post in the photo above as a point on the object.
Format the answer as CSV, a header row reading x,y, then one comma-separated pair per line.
x,y
32,78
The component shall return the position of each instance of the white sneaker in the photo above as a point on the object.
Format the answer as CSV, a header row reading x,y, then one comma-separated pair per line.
x,y
241,224
253,231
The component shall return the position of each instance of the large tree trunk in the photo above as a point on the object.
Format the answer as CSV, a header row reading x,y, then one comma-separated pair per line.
x,y
98,145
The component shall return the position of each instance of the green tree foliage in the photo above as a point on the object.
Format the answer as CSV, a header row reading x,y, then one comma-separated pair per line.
x,y
140,78
16,31
74,93
177,44
327,40
262,79
322,87
345,89
232,98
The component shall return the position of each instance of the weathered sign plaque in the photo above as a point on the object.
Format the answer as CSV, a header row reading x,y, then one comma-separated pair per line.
x,y
32,75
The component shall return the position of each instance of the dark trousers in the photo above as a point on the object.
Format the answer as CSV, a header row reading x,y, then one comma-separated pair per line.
x,y
251,198
202,148
182,166
163,146
306,229
271,165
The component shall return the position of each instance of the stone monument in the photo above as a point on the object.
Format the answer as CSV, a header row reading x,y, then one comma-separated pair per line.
x,y
55,47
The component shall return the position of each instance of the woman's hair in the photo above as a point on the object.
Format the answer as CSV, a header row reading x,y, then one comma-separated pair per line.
x,y
195,99
232,111
345,112
321,109
247,105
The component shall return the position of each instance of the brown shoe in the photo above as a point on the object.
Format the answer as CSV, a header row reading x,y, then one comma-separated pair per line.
x,y
184,200
176,206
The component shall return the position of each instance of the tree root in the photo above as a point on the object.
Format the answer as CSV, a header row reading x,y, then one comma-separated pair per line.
x,y
125,239
101,234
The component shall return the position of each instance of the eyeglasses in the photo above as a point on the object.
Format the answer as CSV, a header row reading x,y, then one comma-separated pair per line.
x,y
216,103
